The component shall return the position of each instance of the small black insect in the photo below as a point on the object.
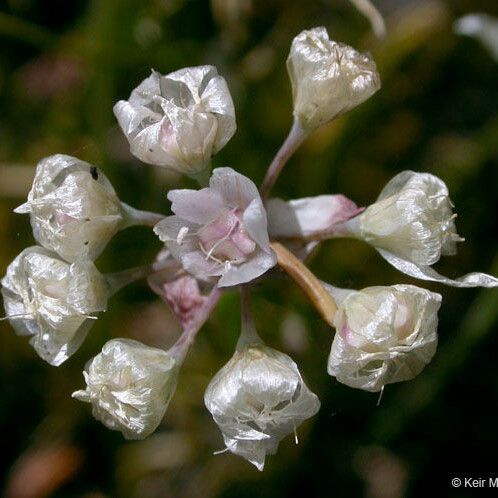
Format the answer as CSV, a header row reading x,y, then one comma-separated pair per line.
x,y
94,172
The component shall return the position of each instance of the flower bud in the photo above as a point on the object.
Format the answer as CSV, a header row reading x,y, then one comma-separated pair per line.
x,y
328,78
257,399
412,218
74,209
52,301
179,120
219,231
311,218
384,335
182,294
130,386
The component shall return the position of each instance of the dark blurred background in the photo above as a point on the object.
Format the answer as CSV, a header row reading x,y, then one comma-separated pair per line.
x,y
63,64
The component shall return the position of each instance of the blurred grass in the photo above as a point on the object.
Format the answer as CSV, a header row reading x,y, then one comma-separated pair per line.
x,y
63,66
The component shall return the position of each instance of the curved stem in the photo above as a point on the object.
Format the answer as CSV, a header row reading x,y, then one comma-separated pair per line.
x,y
120,279
181,346
296,137
309,283
367,8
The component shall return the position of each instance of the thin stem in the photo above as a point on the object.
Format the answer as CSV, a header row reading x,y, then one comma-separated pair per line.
x,y
367,8
296,137
180,348
313,288
248,334
138,217
120,279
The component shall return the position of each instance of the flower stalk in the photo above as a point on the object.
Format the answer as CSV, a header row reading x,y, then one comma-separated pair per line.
x,y
139,217
248,333
309,283
296,137
181,346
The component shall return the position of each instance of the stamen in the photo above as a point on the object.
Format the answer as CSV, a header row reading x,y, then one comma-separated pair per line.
x,y
219,452
181,235
209,255
380,395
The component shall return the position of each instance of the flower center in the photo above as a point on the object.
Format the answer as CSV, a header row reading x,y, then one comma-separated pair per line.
x,y
225,238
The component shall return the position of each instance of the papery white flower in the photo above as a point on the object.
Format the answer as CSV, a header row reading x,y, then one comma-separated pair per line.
x,y
74,209
411,225
257,399
328,78
179,120
311,217
384,335
130,386
52,301
412,217
219,231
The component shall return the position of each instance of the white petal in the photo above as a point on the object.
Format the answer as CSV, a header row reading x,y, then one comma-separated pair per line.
x,y
256,224
196,206
237,190
309,217
245,272
474,279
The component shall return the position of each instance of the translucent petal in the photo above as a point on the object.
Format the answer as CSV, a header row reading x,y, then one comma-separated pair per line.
x,y
423,272
328,78
130,386
384,335
310,217
257,399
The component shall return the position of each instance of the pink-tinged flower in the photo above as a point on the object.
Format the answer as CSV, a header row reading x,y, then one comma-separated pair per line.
x,y
182,294
179,120
311,217
384,334
219,231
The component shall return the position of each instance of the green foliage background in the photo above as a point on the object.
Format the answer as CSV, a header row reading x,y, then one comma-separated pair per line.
x,y
62,67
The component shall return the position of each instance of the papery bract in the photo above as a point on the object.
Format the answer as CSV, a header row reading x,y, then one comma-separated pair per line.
x,y
179,120
219,231
383,335
52,300
130,386
328,78
257,399
74,209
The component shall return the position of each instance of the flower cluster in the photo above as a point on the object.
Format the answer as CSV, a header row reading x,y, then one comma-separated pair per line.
x,y
227,235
